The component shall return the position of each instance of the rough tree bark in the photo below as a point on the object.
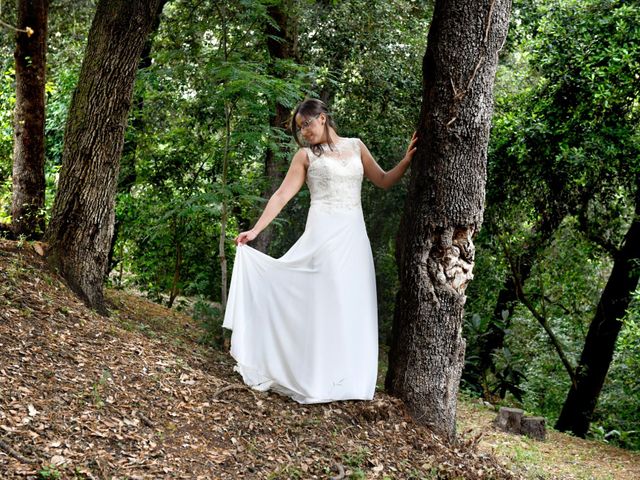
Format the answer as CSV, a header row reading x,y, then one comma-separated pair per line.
x,y
282,43
600,342
127,177
27,217
127,173
444,207
81,227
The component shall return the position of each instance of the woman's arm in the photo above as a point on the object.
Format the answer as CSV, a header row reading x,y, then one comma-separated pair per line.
x,y
377,175
290,186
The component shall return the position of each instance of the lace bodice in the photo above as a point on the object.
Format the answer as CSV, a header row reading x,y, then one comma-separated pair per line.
x,y
335,177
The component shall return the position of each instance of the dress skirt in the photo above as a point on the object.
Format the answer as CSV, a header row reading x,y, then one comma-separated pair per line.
x,y
305,324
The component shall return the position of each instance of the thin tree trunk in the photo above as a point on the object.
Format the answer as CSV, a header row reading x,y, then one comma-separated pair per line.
x,y
82,222
544,323
28,146
178,263
225,207
444,208
600,342
228,108
282,43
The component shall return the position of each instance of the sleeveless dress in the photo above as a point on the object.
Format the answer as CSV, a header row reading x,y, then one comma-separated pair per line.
x,y
305,324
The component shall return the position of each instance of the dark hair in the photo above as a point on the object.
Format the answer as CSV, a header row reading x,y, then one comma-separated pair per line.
x,y
308,108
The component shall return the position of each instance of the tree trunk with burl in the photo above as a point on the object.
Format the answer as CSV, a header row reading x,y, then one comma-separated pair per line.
x,y
444,208
81,227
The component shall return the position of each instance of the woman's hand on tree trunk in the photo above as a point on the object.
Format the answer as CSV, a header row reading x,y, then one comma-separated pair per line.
x,y
411,149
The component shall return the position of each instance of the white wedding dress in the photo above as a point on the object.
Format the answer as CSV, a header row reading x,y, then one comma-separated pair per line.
x,y
306,324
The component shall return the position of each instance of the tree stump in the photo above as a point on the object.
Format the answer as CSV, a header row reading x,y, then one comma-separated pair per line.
x,y
533,427
509,419
513,420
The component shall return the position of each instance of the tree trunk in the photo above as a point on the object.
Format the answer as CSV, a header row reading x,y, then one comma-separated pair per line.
x,y
224,217
444,208
282,43
600,342
127,174
28,147
127,177
81,227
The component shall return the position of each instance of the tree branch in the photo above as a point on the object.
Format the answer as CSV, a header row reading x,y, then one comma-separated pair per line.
x,y
602,242
28,30
489,17
540,317
458,95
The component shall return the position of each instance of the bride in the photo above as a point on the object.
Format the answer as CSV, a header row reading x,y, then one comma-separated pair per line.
x,y
305,324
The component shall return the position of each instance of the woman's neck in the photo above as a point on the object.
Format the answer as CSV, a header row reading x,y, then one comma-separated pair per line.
x,y
332,137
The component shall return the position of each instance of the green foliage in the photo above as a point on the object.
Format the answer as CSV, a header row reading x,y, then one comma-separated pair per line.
x,y
355,461
571,123
288,471
49,472
7,102
98,388
617,412
179,132
210,316
563,151
174,202
69,22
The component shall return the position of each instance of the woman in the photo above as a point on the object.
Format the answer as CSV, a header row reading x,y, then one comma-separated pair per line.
x,y
306,324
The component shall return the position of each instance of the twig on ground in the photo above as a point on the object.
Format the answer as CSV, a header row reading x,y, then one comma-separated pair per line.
x,y
146,420
233,386
340,470
17,455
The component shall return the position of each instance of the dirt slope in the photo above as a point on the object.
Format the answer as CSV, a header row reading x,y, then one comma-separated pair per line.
x,y
135,396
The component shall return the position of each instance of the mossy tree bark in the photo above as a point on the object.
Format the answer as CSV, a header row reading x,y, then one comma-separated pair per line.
x,y
81,227
444,207
27,215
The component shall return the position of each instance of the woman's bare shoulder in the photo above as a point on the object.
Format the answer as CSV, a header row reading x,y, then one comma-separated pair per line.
x,y
301,157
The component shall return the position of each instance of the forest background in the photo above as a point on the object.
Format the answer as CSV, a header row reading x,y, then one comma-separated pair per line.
x,y
563,165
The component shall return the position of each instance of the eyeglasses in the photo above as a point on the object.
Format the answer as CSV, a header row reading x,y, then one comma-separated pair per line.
x,y
307,123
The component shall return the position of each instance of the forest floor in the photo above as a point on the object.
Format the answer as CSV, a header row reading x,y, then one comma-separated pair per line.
x,y
138,396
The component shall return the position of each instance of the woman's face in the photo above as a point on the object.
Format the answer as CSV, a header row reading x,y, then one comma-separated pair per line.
x,y
311,127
